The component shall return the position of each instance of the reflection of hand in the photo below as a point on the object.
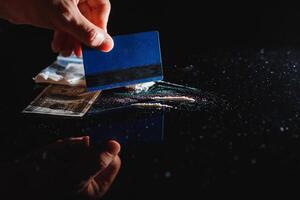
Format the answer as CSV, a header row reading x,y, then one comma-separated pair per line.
x,y
73,20
70,168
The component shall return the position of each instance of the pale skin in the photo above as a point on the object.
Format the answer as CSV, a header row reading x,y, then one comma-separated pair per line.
x,y
73,21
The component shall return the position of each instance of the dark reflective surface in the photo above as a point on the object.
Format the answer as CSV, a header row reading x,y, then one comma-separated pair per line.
x,y
67,168
245,142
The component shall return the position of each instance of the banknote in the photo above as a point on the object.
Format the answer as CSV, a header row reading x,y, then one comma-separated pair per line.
x,y
62,100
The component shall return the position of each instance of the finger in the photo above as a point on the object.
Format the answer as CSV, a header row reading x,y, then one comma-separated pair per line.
x,y
99,185
108,45
83,139
69,47
106,157
77,49
107,176
91,163
57,41
63,43
60,41
69,143
66,53
85,31
97,11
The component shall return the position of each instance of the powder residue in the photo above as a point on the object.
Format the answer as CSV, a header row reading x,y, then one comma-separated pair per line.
x,y
173,98
151,105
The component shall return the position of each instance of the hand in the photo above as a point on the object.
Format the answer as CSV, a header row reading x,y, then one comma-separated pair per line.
x,y
68,168
73,21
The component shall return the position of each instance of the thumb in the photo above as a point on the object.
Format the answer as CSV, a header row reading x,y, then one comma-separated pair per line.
x,y
88,33
96,162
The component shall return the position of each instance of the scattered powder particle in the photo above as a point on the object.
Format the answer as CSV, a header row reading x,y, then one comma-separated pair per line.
x,y
167,174
174,98
44,155
236,157
37,168
16,161
295,136
151,105
281,129
262,146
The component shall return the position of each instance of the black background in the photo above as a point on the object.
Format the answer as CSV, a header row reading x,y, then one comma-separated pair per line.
x,y
191,26
264,99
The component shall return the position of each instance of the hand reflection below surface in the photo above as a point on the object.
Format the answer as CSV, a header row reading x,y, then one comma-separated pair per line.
x,y
69,168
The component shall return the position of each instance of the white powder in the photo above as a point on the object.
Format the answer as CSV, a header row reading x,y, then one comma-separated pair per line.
x,y
174,98
151,105
142,87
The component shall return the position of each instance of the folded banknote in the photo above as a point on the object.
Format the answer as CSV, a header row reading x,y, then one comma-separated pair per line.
x,y
62,101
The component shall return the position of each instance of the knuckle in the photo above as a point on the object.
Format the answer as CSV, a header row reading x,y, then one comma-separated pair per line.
x,y
105,159
116,164
103,164
94,38
64,12
67,14
91,35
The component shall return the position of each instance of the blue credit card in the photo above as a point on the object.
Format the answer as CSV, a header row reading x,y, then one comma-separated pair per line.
x,y
135,58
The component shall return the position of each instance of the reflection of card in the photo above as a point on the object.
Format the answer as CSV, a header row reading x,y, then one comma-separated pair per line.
x,y
135,58
63,101
142,127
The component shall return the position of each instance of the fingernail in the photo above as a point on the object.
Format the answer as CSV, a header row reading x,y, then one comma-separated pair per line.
x,y
113,147
107,44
